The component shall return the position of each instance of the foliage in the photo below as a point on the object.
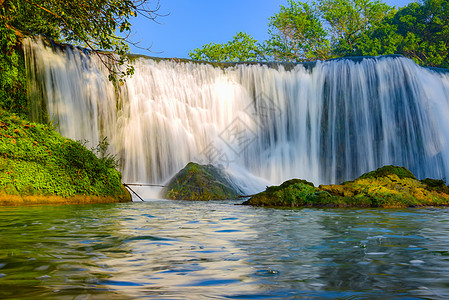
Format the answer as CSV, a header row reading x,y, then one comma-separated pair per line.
x,y
12,73
95,24
361,27
387,187
350,21
243,47
297,33
35,160
381,40
421,32
322,29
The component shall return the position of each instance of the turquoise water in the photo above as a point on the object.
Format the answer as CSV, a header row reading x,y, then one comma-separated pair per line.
x,y
218,250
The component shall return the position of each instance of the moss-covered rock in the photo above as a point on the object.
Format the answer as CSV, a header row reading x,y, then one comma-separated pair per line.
x,y
387,187
200,183
294,192
436,185
37,163
401,172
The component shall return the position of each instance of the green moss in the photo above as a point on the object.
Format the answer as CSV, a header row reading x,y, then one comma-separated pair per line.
x,y
200,182
388,190
401,172
294,192
436,185
36,160
386,187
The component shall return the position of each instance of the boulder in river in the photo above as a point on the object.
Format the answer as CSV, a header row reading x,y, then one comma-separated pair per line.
x,y
386,187
200,183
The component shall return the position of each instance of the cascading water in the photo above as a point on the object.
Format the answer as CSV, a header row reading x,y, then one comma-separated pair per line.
x,y
326,122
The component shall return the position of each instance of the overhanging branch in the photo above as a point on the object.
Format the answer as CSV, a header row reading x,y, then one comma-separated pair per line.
x,y
112,71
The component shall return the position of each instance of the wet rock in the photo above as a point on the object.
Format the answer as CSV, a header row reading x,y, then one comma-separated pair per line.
x,y
387,187
200,183
294,192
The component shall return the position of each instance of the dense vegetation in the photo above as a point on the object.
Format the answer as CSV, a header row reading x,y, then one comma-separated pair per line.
x,y
36,161
12,72
324,29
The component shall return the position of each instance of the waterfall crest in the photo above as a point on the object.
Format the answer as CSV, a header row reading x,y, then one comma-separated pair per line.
x,y
326,123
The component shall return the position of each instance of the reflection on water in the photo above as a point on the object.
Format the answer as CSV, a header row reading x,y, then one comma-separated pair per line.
x,y
218,250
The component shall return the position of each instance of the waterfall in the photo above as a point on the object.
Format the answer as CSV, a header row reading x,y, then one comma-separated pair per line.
x,y
326,122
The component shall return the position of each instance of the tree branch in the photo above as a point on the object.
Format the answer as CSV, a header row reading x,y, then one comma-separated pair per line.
x,y
111,70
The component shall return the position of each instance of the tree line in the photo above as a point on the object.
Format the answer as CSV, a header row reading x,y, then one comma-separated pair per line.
x,y
326,29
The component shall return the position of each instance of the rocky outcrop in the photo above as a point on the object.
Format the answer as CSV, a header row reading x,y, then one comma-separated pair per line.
x,y
200,183
387,187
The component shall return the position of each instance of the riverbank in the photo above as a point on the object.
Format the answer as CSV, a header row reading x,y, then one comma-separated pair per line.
x,y
18,200
39,166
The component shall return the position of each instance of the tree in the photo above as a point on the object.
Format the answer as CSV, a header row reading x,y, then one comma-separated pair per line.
x,y
350,21
366,27
95,24
425,31
419,31
323,29
381,40
242,47
297,34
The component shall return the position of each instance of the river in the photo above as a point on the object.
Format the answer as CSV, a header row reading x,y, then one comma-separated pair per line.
x,y
218,250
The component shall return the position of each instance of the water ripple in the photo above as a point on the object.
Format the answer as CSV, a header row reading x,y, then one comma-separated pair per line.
x,y
151,250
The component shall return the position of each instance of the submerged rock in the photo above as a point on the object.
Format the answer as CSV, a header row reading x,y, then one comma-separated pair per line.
x,y
387,187
200,183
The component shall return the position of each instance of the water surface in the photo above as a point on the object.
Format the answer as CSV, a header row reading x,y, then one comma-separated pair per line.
x,y
218,250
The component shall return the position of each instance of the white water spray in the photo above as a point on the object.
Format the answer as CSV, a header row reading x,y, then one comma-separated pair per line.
x,y
327,122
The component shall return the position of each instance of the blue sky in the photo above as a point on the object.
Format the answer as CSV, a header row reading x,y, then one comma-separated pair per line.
x,y
189,24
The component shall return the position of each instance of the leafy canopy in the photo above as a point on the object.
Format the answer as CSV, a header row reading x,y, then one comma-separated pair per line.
x,y
297,33
322,29
422,32
243,47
